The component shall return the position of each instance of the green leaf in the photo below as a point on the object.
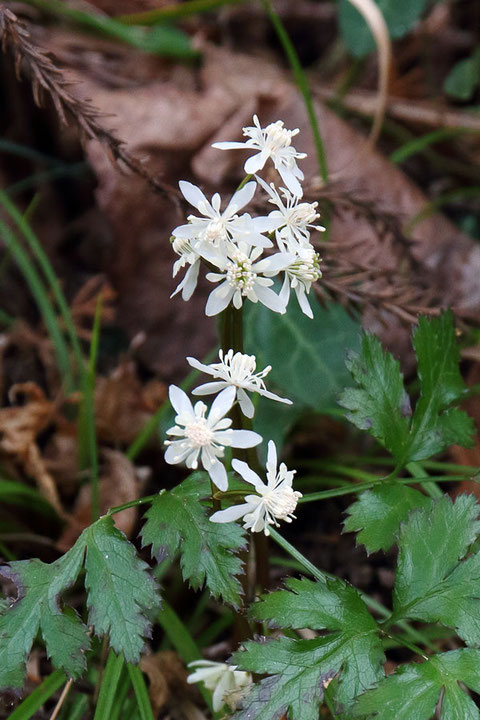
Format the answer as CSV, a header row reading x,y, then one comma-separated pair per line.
x,y
414,690
399,16
177,521
299,348
464,78
37,607
433,426
378,513
432,582
120,589
301,669
381,406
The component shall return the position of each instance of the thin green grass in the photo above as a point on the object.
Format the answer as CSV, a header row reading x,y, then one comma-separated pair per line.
x,y
39,696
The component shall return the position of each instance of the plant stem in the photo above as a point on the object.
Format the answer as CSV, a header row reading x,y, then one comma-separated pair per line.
x,y
302,82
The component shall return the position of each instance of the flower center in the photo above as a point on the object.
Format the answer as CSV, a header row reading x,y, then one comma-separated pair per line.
x,y
303,214
307,268
215,231
240,275
181,245
241,367
199,433
281,502
277,136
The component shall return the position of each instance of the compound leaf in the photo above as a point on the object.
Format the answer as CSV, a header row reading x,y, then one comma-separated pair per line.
x,y
434,426
37,607
300,670
120,589
414,690
177,521
381,404
378,514
432,582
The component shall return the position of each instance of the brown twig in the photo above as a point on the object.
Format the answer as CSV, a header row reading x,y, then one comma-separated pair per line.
x,y
47,78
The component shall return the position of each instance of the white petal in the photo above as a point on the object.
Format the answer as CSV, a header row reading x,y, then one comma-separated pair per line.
x,y
221,405
179,399
229,145
189,282
174,455
246,405
274,263
240,438
210,388
303,302
256,162
272,454
218,299
219,476
247,473
241,197
192,193
291,181
272,396
267,224
269,299
193,362
231,514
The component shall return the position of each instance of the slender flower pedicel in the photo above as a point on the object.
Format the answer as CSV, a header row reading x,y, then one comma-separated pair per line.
x,y
204,437
274,142
275,501
237,370
227,683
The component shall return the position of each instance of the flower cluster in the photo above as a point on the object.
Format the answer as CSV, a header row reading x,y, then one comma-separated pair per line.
x,y
201,436
232,242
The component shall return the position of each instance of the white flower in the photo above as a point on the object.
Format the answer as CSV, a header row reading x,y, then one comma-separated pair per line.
x,y
215,235
273,142
242,277
205,436
188,256
275,501
299,276
292,220
236,369
225,680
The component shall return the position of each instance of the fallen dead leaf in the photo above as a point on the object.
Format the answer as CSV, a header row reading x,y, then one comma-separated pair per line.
x,y
19,429
168,686
119,483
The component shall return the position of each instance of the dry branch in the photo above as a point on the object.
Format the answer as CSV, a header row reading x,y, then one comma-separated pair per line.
x,y
47,78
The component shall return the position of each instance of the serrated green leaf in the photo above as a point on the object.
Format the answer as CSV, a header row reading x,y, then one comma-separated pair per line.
x,y
177,521
378,514
37,607
301,669
432,582
414,690
120,589
438,359
298,348
399,16
381,406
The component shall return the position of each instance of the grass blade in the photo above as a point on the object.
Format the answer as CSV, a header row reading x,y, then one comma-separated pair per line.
x,y
108,688
40,695
43,302
141,692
